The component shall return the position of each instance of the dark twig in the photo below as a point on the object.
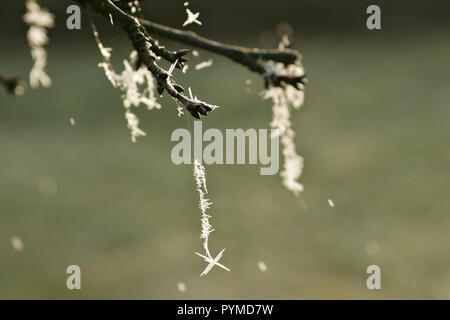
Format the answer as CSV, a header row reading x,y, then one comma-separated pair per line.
x,y
142,42
235,53
252,58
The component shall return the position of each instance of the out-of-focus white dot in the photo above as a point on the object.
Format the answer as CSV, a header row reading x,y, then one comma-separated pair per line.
x,y
17,243
72,121
186,4
372,248
181,286
262,266
47,186
331,203
20,90
195,53
284,28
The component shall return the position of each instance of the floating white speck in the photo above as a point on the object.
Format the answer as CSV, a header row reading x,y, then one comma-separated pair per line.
x,y
195,53
186,4
248,82
111,19
372,248
204,64
181,286
262,266
331,203
47,186
72,121
192,18
17,243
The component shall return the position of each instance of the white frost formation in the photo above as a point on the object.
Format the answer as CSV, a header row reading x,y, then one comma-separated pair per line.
x,y
130,82
284,99
39,20
204,64
204,204
192,18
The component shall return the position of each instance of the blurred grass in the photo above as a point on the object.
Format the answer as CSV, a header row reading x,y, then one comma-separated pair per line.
x,y
374,134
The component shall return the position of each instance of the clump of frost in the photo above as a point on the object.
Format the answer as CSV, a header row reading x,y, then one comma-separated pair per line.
x,y
39,20
138,86
284,100
204,205
192,18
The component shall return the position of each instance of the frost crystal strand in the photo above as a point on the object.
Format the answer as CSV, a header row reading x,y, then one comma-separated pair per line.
x,y
283,100
204,205
39,20
129,82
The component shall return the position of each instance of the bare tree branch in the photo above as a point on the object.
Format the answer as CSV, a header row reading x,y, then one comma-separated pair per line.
x,y
236,53
142,42
252,58
249,57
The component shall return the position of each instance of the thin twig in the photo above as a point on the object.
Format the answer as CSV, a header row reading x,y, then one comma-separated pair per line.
x,y
142,43
252,58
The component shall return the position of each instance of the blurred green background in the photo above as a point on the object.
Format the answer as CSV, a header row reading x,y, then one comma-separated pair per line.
x,y
373,131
